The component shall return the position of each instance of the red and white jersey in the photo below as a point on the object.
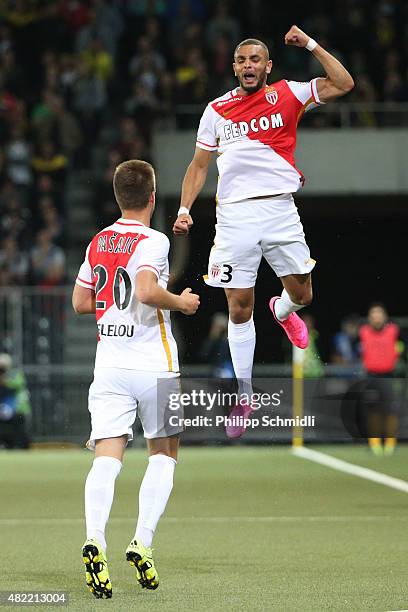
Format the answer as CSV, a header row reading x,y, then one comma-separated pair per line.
x,y
131,335
255,137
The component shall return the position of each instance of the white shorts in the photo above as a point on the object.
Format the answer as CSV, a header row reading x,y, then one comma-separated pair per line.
x,y
248,230
117,395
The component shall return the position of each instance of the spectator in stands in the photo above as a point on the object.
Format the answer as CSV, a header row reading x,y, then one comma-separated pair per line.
x,y
15,218
346,343
18,156
51,79
99,60
14,260
8,106
74,13
181,13
191,78
148,77
146,55
46,185
105,206
65,127
42,116
68,72
105,23
47,261
48,160
13,74
221,60
89,99
50,220
15,409
6,40
130,144
146,8
5,276
144,105
153,31
379,353
215,350
222,25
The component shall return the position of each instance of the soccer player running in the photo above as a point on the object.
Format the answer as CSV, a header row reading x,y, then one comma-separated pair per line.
x,y
253,129
123,281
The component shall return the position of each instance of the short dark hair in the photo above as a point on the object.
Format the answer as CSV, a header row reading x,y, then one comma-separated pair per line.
x,y
251,41
133,184
378,305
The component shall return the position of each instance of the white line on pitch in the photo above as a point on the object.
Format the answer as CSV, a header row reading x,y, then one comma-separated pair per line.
x,y
351,468
209,519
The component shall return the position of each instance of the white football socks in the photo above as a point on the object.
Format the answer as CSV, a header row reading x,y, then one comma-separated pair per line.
x,y
99,490
284,306
153,495
242,339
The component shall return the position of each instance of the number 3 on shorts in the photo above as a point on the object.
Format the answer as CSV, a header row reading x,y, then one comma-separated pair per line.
x,y
226,273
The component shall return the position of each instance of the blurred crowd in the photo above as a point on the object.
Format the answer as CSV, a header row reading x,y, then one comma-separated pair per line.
x,y
82,83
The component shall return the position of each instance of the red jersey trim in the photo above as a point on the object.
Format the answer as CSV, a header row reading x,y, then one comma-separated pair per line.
x,y
86,282
129,224
148,266
207,145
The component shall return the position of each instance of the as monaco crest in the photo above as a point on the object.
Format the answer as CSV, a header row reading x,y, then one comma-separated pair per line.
x,y
215,270
272,96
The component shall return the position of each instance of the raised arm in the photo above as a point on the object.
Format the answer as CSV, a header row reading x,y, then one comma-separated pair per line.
x,y
148,291
193,182
338,80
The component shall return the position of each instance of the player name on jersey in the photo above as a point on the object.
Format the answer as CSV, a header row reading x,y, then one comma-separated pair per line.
x,y
123,244
236,130
118,331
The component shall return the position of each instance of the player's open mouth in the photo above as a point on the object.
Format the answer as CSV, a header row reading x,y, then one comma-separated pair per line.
x,y
249,78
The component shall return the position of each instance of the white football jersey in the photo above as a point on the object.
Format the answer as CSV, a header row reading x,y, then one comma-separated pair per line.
x,y
131,335
255,137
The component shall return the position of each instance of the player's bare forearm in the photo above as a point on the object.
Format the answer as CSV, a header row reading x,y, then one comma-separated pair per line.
x,y
193,183
157,296
338,81
83,300
149,292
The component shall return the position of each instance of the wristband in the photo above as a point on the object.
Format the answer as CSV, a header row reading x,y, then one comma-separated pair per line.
x,y
311,44
183,210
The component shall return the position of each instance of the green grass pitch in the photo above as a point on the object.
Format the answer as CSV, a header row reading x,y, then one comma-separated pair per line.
x,y
246,528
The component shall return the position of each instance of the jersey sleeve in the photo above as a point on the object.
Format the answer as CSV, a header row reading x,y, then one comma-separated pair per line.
x,y
206,135
306,93
153,254
85,275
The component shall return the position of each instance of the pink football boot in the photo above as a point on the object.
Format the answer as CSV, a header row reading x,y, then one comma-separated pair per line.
x,y
238,414
294,327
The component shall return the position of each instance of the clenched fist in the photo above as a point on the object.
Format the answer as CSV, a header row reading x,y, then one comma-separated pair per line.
x,y
296,37
189,302
182,224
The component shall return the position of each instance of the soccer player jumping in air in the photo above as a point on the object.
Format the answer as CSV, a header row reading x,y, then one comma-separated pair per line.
x,y
123,281
253,129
